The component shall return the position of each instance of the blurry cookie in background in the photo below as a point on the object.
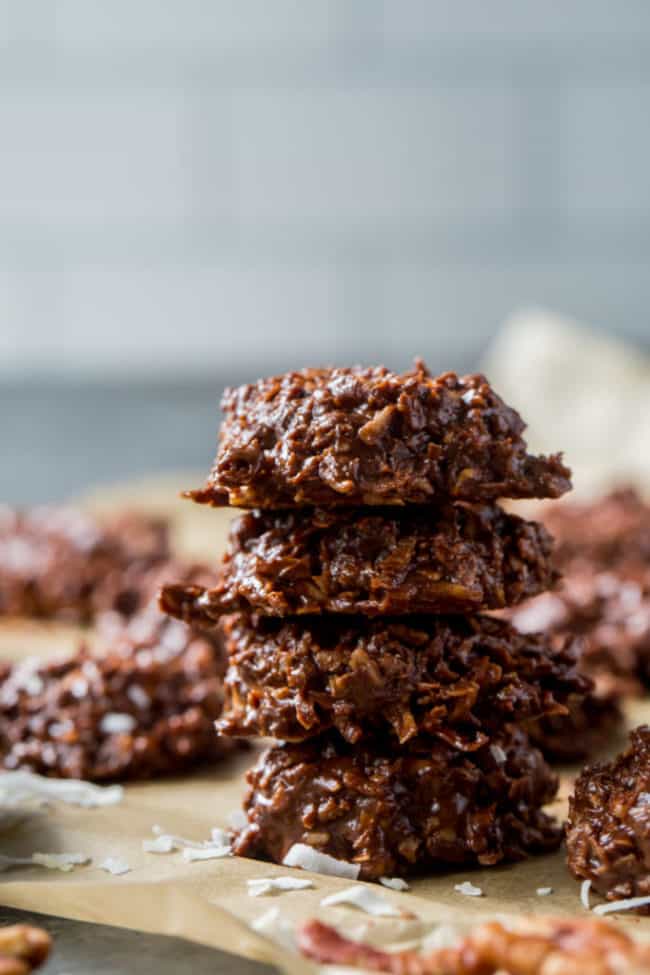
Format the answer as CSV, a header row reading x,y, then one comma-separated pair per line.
x,y
64,563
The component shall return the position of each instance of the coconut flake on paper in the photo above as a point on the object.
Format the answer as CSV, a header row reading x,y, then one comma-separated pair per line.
x,y
19,788
262,886
364,899
307,858
468,889
115,866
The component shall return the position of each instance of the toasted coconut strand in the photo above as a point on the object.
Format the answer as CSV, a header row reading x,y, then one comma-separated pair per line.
x,y
115,866
585,887
214,848
536,946
468,889
307,858
51,861
21,787
261,886
60,861
394,883
365,899
625,904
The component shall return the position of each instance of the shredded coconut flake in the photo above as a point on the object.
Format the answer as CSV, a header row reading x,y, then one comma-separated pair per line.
x,y
52,861
179,842
261,886
365,899
468,889
213,849
117,724
161,844
207,852
79,688
394,883
17,788
627,904
544,891
115,865
307,858
138,696
272,925
498,754
60,861
585,887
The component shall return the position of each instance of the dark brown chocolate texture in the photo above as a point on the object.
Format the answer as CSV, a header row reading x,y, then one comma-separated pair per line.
x,y
349,603
608,832
604,597
608,532
401,811
593,722
458,558
369,436
145,707
451,677
65,563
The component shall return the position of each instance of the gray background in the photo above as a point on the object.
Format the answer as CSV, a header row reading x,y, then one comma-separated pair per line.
x,y
194,192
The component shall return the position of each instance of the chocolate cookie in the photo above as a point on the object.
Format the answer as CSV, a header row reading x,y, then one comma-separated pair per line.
x,y
604,533
369,436
447,676
591,724
145,708
609,611
608,831
400,812
65,563
458,558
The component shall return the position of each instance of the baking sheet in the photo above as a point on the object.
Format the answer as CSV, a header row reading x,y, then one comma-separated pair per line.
x,y
208,901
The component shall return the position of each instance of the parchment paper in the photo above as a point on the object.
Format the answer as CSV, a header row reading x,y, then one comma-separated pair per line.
x,y
208,901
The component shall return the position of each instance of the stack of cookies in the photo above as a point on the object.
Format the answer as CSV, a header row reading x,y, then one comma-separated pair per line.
x,y
350,602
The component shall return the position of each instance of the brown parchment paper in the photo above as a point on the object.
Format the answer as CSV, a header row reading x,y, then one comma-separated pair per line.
x,y
208,901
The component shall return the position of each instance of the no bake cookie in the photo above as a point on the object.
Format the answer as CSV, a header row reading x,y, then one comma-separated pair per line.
x,y
446,676
457,558
395,812
370,436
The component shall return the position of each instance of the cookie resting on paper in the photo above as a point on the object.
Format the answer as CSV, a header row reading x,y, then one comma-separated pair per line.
x,y
392,812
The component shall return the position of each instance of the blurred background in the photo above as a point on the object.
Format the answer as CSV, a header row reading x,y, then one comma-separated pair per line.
x,y
197,192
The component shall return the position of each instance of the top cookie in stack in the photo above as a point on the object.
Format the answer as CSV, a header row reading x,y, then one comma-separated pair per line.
x,y
369,437
352,595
